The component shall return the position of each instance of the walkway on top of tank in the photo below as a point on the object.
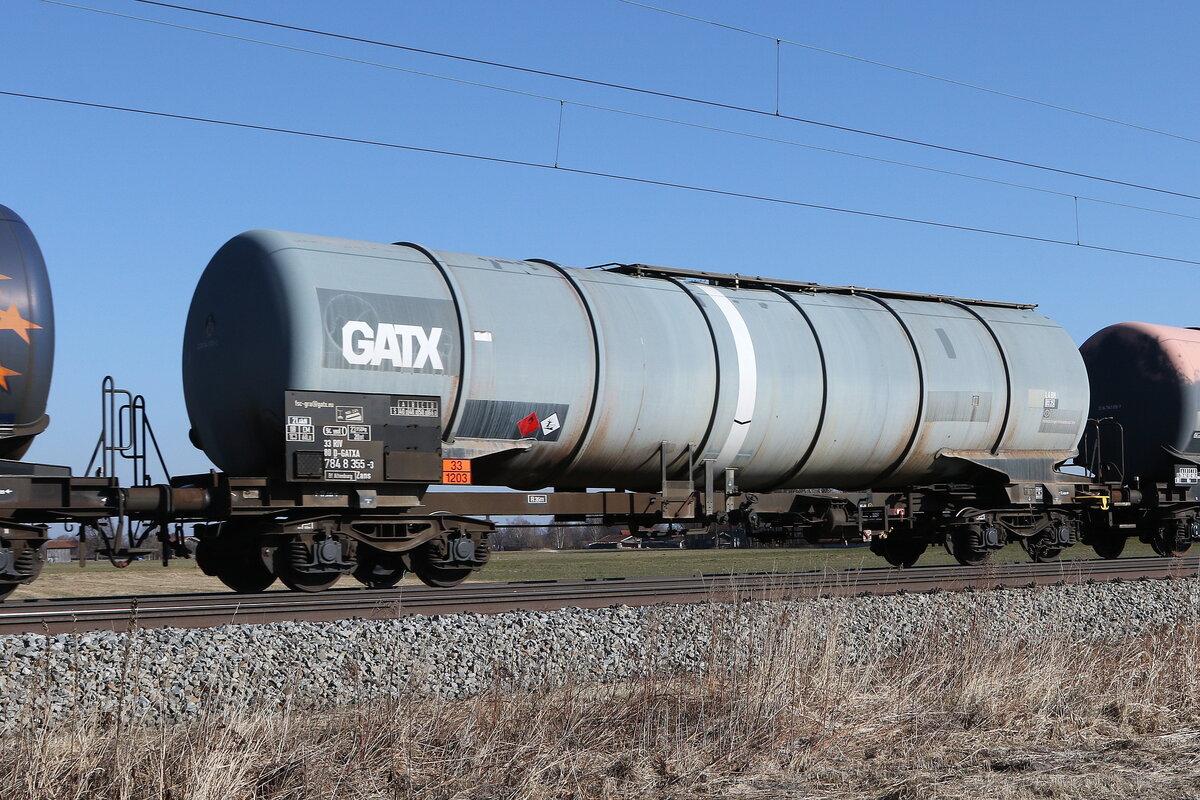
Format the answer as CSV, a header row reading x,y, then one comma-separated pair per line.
x,y
738,281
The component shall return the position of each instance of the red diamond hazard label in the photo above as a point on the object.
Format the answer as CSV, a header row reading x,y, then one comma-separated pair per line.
x,y
528,425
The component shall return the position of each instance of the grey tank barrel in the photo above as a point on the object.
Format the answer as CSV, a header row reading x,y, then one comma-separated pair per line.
x,y
26,336
571,378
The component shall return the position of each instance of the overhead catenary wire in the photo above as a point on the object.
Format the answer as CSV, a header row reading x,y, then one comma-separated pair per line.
x,y
674,96
915,72
562,102
593,173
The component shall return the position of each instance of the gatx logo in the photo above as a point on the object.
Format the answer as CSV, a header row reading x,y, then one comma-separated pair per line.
x,y
404,346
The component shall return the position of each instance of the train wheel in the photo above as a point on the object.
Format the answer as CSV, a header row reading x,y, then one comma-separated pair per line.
x,y
377,569
241,568
236,558
431,574
305,582
1167,541
208,557
898,552
7,588
441,577
1107,545
294,553
959,545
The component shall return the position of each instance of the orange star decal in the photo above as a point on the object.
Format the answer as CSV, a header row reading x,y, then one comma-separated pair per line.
x,y
11,320
5,372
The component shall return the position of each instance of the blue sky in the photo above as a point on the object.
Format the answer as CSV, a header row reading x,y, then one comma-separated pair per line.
x,y
129,208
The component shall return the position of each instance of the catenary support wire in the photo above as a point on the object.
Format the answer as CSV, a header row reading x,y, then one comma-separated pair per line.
x,y
917,73
599,174
623,112
678,97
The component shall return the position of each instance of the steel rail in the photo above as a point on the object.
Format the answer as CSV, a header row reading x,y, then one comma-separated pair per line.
x,y
62,615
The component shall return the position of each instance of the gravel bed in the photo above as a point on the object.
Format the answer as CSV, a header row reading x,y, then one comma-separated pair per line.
x,y
166,674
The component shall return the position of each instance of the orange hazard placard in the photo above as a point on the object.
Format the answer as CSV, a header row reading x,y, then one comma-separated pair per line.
x,y
456,471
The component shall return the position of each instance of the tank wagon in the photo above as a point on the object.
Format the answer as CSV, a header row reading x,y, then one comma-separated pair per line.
x,y
375,364
352,394
700,398
549,376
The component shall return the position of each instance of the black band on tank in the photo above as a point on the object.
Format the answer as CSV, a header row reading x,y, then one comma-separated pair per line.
x,y
812,446
586,435
1008,395
912,439
702,446
463,349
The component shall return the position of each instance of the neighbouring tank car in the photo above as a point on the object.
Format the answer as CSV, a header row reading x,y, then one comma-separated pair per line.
x,y
1146,379
26,337
1145,431
26,364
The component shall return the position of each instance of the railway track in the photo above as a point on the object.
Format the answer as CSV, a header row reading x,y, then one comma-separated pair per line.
x,y
61,615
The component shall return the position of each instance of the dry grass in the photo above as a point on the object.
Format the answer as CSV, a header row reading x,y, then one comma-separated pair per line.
x,y
101,579
778,711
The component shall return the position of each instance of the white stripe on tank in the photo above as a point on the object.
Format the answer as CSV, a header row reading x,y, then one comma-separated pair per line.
x,y
747,383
